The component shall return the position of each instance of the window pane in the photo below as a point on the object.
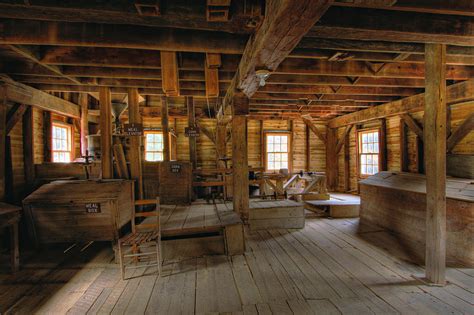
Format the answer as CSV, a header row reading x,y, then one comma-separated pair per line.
x,y
270,147
369,169
363,169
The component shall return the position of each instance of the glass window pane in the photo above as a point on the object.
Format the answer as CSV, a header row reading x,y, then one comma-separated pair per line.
x,y
369,169
270,147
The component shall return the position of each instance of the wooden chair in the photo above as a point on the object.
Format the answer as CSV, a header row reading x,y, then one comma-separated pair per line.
x,y
138,249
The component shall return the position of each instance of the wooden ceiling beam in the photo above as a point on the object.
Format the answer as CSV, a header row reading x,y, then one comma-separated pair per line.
x,y
23,94
360,69
326,97
285,23
455,93
384,25
34,32
458,7
148,59
383,46
175,15
344,90
199,85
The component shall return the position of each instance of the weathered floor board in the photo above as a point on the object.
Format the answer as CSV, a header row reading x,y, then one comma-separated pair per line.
x,y
329,267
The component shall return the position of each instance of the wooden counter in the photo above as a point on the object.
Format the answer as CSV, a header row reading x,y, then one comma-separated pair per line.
x,y
397,202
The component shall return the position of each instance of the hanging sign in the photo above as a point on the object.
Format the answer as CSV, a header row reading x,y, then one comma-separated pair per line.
x,y
133,129
192,132
175,168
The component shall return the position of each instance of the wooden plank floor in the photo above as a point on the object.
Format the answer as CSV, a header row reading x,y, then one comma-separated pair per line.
x,y
330,267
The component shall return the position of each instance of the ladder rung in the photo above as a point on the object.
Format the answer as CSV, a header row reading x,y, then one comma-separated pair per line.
x,y
140,254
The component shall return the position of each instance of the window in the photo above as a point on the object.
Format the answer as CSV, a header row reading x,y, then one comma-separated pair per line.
x,y
369,149
61,139
154,146
277,151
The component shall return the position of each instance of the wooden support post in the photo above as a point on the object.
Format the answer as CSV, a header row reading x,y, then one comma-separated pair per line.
x,y
106,132
170,73
47,136
28,148
403,147
3,124
135,153
262,145
240,169
308,149
14,247
435,146
165,127
211,73
420,155
9,192
192,124
331,159
347,161
383,145
84,104
221,146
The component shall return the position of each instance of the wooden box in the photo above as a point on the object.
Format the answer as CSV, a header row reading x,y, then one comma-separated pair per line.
x,y
275,214
175,182
79,210
397,202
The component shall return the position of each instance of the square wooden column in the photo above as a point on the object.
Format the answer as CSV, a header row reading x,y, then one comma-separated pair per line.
x,y
435,159
240,169
3,134
84,104
165,128
331,159
105,122
135,153
221,145
192,124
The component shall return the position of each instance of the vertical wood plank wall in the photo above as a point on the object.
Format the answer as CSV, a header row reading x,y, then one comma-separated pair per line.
x,y
459,113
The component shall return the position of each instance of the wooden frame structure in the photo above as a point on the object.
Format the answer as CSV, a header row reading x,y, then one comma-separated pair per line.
x,y
254,62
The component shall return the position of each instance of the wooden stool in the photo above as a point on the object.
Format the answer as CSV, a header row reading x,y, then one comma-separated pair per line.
x,y
9,217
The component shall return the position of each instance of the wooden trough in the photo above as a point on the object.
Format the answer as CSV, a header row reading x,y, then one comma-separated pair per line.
x,y
397,202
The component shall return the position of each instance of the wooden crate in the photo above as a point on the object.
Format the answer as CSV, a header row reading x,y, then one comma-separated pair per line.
x,y
397,202
175,182
79,210
285,214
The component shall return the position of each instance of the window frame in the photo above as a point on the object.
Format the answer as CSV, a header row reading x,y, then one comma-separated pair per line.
x,y
68,127
359,134
266,133
146,132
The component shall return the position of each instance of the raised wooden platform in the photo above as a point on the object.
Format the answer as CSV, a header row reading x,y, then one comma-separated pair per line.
x,y
268,214
340,205
201,229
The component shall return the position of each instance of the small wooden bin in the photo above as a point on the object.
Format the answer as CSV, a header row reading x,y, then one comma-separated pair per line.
x,y
79,210
175,182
